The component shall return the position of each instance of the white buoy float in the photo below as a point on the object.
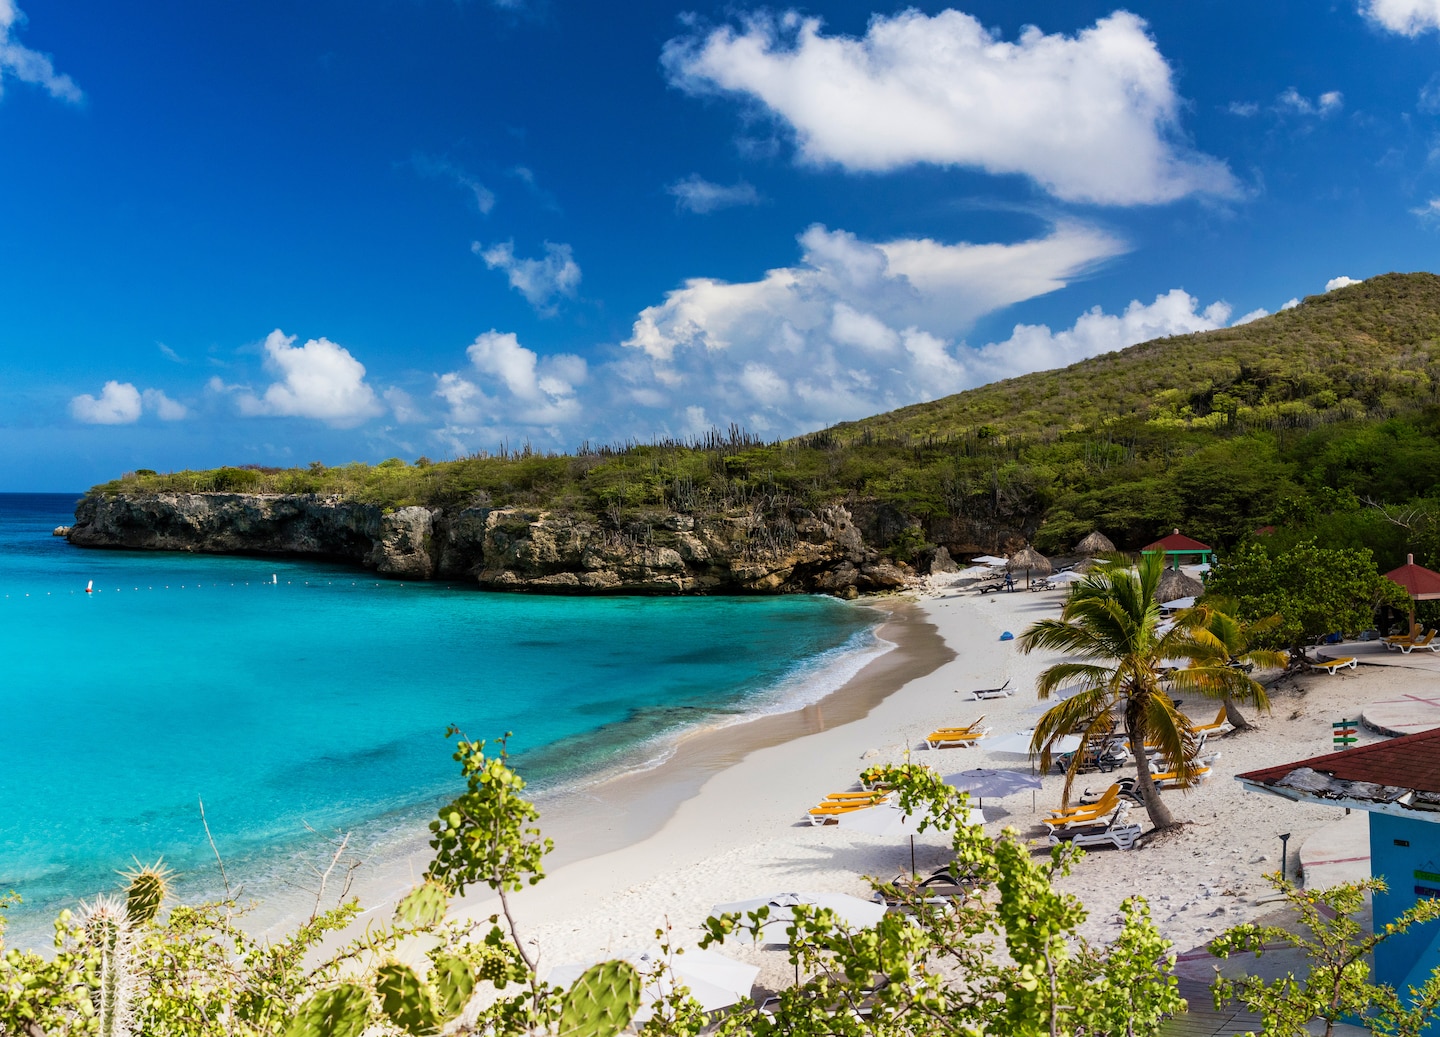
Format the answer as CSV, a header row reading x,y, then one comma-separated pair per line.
x,y
89,586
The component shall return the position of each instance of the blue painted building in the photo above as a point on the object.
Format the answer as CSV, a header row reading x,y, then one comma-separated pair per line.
x,y
1398,783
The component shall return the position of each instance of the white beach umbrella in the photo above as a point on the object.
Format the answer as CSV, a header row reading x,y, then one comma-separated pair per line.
x,y
974,572
1179,603
1196,570
984,781
1018,744
712,979
1068,576
990,560
853,911
889,821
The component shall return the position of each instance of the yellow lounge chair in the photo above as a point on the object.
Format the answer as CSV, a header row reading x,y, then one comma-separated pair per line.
x,y
1221,723
1171,779
1331,666
1110,796
847,797
1094,816
1407,642
943,737
1427,642
972,726
1087,812
831,811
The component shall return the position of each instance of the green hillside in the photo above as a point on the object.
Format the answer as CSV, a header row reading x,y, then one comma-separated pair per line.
x,y
1292,421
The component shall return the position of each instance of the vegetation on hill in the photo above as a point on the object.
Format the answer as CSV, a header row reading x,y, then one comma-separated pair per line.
x,y
1304,421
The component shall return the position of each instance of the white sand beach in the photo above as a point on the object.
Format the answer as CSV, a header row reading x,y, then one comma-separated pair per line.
x,y
740,834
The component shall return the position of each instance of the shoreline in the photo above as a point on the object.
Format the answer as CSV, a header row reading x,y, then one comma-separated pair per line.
x,y
615,812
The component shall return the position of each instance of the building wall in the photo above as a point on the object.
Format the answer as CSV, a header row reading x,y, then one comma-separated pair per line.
x,y
1406,854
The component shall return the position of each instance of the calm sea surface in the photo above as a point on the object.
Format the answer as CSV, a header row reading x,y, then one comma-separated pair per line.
x,y
322,699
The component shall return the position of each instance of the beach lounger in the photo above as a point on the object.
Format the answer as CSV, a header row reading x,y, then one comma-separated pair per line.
x,y
1086,815
949,739
1331,666
827,811
981,694
1219,725
1171,778
1103,802
1407,643
1118,833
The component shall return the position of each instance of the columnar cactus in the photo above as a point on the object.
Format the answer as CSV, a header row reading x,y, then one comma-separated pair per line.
x,y
106,930
602,1002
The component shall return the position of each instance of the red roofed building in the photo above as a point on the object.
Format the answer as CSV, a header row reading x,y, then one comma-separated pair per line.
x,y
1177,546
1398,783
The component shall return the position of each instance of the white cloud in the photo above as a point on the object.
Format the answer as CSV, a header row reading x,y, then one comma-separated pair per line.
x,y
28,66
1429,211
1327,104
1246,318
1244,109
524,388
699,195
1290,304
402,406
317,380
944,90
1340,282
119,404
1407,17
854,328
1034,347
162,406
539,280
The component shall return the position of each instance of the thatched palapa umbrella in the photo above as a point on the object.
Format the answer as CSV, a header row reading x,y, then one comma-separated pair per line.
x,y
1175,584
1097,543
1030,560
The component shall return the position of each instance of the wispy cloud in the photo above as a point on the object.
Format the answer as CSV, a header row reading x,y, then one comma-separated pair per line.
x,y
541,281
29,66
1294,102
443,169
696,194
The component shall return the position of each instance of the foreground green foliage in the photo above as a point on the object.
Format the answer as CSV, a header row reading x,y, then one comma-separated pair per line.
x,y
1111,622
1337,986
1002,958
1291,422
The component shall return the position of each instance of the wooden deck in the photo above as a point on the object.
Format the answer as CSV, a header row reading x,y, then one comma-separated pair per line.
x,y
1203,1020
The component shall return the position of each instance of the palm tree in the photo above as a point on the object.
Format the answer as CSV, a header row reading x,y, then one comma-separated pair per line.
x,y
1236,635
1112,622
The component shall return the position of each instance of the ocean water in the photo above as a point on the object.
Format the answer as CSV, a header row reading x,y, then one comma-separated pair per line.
x,y
322,699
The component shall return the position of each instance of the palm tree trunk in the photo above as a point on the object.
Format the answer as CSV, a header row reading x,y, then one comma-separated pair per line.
x,y
1160,815
1236,718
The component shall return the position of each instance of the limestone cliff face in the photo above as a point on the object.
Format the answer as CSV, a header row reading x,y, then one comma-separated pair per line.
x,y
508,548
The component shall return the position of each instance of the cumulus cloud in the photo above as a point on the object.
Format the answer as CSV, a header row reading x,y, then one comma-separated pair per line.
x,y
1407,17
1290,304
523,388
1253,315
1340,282
28,66
696,194
120,403
945,90
541,281
1327,104
318,380
854,327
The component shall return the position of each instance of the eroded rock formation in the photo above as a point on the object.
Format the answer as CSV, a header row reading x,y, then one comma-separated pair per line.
x,y
509,548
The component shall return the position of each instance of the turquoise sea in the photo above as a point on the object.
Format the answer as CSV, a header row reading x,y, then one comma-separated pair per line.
x,y
322,699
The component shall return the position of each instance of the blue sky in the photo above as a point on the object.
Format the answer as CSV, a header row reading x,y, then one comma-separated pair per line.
x,y
278,233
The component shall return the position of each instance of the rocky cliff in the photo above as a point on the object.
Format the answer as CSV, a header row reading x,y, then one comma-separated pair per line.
x,y
508,548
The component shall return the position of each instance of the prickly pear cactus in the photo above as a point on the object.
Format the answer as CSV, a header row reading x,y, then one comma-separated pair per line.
x,y
424,905
454,983
404,999
602,1002
342,1011
149,883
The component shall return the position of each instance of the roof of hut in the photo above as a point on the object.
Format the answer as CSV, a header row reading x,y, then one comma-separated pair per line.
x,y
1097,543
1175,584
1029,558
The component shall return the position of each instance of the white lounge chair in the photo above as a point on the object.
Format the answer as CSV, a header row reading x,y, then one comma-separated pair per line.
x,y
1002,692
1118,833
